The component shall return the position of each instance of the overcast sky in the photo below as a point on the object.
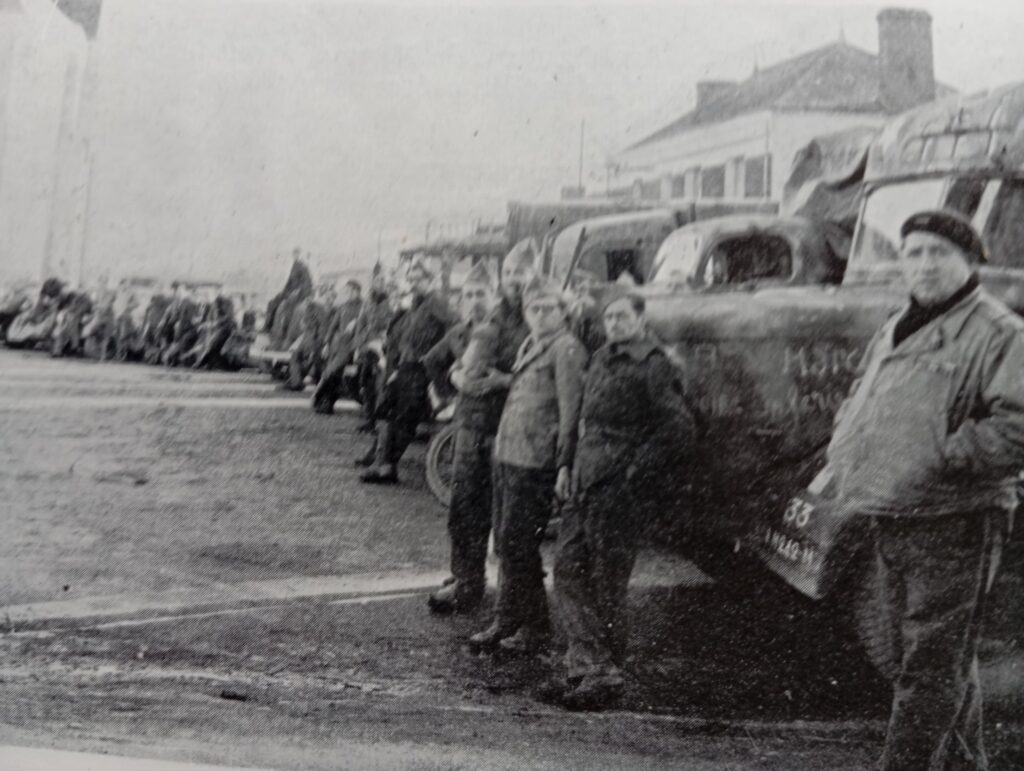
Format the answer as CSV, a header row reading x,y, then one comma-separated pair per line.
x,y
229,131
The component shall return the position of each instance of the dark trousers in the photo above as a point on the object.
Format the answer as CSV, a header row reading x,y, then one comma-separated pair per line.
x,y
935,574
332,382
369,382
404,407
597,547
305,360
523,499
469,515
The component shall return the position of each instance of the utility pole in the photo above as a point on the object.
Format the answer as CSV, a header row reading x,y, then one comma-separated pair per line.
x,y
579,178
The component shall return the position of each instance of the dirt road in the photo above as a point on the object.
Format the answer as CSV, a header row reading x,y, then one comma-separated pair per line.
x,y
190,570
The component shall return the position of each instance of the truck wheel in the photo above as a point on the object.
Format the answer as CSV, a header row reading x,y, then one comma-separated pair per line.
x,y
440,462
871,618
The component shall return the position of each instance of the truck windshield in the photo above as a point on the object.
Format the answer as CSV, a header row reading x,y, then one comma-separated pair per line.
x,y
678,258
995,205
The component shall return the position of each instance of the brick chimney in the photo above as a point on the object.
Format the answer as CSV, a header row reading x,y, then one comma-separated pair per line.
x,y
709,90
905,65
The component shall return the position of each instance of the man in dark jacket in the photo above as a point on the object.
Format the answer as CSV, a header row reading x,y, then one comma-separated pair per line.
x,y
927,448
634,425
405,404
339,341
481,397
368,338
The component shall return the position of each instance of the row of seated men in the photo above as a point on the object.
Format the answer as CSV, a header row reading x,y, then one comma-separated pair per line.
x,y
173,329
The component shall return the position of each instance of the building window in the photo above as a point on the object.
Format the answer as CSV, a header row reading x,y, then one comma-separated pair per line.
x,y
650,190
679,186
757,181
712,182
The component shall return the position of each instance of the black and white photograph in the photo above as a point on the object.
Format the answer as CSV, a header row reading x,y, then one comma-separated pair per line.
x,y
481,384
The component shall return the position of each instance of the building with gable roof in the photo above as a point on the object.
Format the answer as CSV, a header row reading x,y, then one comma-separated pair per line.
x,y
739,141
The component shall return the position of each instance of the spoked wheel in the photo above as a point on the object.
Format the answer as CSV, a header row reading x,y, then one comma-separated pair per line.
x,y
440,463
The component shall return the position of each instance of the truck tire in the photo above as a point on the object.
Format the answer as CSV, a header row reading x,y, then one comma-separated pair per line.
x,y
860,600
439,464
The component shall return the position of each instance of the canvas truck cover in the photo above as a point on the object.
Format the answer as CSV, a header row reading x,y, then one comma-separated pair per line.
x,y
982,133
826,182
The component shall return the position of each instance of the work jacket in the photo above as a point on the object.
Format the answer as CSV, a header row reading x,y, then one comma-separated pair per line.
x,y
539,422
633,420
934,425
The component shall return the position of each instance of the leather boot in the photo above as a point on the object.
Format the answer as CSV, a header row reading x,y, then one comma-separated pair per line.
x,y
489,639
455,597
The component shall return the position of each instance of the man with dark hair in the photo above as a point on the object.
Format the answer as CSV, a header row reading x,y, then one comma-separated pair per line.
x,y
405,404
367,343
634,425
927,447
482,388
533,455
339,343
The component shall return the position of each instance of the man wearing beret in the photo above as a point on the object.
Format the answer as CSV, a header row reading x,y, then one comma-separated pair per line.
x,y
927,447
481,397
405,404
533,455
634,428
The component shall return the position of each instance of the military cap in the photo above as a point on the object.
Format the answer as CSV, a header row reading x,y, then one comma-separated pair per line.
x,y
616,292
352,283
539,287
521,254
951,225
479,275
420,266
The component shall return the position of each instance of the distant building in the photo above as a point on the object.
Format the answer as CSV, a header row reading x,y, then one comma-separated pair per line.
x,y
739,142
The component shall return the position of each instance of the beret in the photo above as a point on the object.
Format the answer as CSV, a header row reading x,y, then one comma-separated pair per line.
x,y
951,225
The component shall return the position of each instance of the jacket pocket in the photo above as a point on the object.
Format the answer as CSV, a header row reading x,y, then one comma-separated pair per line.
x,y
892,456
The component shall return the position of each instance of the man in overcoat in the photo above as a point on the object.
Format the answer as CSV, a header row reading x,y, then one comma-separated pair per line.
x,y
634,428
339,342
928,447
533,455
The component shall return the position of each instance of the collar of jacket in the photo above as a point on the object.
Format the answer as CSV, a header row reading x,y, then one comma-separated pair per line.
x,y
638,349
935,334
537,348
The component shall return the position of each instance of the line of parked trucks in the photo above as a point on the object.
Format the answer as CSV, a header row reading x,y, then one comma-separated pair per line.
x,y
769,311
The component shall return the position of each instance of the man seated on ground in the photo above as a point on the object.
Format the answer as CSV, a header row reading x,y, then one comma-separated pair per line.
x,y
307,350
213,334
74,306
375,318
338,344
405,403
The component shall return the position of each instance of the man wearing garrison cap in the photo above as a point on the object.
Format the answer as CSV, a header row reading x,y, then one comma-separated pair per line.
x,y
533,453
927,447
482,376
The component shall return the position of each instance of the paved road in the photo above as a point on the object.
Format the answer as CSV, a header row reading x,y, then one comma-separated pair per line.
x,y
189,571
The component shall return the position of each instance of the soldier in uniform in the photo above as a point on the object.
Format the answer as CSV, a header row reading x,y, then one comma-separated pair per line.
x,y
405,404
374,319
340,338
633,425
480,402
74,306
928,447
307,349
533,456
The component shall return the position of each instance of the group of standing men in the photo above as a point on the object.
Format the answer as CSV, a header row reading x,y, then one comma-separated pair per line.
x,y
541,422
926,449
